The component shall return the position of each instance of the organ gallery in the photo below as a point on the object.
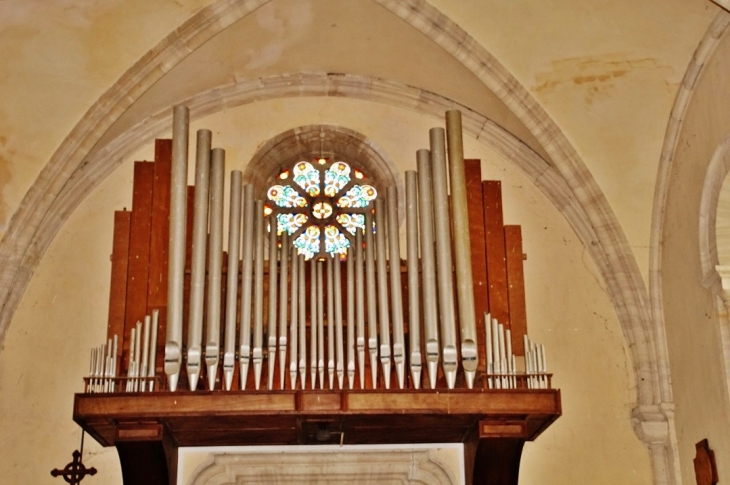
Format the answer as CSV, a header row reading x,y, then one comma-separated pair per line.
x,y
319,324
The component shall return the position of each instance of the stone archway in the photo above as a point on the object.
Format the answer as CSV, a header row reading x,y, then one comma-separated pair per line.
x,y
69,173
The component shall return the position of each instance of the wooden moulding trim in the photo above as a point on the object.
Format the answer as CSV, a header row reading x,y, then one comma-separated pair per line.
x,y
502,429
165,405
138,432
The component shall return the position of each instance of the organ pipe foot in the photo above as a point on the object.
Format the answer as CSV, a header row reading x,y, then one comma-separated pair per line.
x,y
385,362
373,369
258,362
470,375
416,376
450,365
450,379
272,365
173,362
282,368
361,366
320,371
172,381
351,375
302,373
212,371
400,371
331,373
293,375
243,371
228,363
340,375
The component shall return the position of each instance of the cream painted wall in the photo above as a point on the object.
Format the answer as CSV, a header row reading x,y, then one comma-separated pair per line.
x,y
57,59
690,310
63,313
607,73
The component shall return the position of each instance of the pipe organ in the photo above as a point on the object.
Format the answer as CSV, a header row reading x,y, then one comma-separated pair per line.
x,y
311,318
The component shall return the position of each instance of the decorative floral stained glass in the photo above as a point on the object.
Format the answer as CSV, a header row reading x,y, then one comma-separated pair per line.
x,y
334,241
321,210
286,196
290,222
307,177
308,242
351,222
358,196
320,205
335,178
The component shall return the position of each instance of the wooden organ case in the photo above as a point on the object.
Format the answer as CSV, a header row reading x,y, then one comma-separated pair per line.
x,y
506,401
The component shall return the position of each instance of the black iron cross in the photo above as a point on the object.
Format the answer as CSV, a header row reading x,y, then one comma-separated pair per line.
x,y
75,471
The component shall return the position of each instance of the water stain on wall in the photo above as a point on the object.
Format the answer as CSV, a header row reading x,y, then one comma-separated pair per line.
x,y
595,75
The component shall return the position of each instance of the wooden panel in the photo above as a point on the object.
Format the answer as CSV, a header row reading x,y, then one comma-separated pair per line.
x,y
277,417
118,287
516,286
497,461
501,429
144,462
318,401
186,285
139,432
496,266
160,231
139,251
474,199
159,242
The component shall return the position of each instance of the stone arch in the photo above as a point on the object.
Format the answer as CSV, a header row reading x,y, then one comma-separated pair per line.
x,y
716,172
309,142
701,56
353,466
58,189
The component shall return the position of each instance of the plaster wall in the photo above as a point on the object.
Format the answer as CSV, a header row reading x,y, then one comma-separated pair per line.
x,y
63,312
690,309
607,73
589,69
58,58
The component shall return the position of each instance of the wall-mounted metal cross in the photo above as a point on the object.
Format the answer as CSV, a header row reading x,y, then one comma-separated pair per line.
x,y
75,471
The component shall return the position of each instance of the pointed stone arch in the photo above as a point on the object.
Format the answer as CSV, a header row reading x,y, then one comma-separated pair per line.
x,y
60,186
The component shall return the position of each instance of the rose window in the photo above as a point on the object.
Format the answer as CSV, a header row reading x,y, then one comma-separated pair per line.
x,y
322,208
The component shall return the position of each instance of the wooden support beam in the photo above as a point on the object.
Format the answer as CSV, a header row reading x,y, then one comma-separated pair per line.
x,y
516,287
497,461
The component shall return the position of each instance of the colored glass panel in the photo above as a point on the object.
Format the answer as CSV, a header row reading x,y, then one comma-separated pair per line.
x,y
286,196
308,242
358,196
334,241
335,178
351,222
290,222
307,177
322,210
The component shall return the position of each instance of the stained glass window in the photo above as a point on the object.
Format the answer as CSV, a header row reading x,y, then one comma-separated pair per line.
x,y
358,196
307,177
286,196
323,208
290,222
